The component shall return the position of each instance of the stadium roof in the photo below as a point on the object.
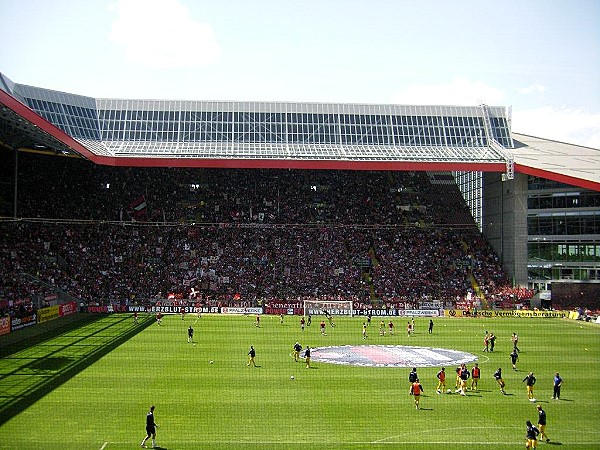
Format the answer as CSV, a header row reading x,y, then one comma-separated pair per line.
x,y
567,163
123,132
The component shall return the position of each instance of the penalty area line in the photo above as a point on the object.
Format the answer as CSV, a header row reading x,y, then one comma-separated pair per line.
x,y
104,446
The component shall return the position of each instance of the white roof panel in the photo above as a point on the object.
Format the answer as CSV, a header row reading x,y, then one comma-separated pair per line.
x,y
569,161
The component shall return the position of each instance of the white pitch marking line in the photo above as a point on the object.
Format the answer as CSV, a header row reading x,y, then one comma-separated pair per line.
x,y
397,436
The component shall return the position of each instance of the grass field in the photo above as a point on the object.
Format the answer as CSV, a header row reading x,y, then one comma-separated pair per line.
x,y
91,387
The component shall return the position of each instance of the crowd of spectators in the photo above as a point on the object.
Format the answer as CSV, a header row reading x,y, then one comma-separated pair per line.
x,y
238,235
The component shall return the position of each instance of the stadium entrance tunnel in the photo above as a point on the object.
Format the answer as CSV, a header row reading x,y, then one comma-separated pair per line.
x,y
390,356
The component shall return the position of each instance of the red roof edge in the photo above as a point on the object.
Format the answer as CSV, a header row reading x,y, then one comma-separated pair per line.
x,y
235,163
573,181
26,113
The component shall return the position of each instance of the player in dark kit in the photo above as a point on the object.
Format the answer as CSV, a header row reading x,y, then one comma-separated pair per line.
x,y
151,427
307,357
498,377
251,356
296,351
542,423
412,376
530,380
532,434
514,357
190,334
492,342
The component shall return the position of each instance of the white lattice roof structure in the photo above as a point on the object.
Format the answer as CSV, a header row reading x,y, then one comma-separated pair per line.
x,y
178,133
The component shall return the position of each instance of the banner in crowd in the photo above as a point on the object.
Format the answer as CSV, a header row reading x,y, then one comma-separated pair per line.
x,y
49,313
432,304
116,308
398,312
16,323
505,313
66,309
4,325
230,310
274,309
277,310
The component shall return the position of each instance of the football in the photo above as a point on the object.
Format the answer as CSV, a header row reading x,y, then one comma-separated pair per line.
x,y
292,377
449,391
211,361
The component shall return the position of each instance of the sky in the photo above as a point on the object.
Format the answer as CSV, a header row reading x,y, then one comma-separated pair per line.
x,y
540,58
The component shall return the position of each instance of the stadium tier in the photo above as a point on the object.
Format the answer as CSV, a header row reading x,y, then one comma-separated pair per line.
x,y
245,236
129,200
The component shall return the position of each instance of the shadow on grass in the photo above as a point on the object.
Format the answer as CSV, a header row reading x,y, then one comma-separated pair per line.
x,y
30,370
28,337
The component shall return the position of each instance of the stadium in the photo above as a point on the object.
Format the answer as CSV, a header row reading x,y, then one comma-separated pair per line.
x,y
216,214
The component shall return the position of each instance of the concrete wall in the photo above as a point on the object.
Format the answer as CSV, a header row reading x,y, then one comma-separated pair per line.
x,y
505,222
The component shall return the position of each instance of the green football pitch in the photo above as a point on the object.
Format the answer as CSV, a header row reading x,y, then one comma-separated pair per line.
x,y
90,387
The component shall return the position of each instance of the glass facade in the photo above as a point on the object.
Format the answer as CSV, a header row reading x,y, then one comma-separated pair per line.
x,y
470,185
76,121
294,128
563,225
